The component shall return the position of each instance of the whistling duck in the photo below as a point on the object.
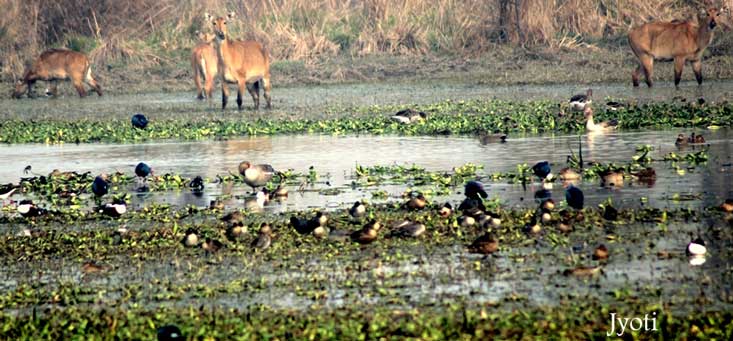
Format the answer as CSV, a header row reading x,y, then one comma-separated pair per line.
x,y
446,210
542,170
545,216
264,239
100,186
367,234
485,244
409,229
548,204
256,175
614,106
235,232
212,245
569,174
190,239
486,138
696,248
727,206
583,271
612,178
490,219
234,217
600,253
532,227
139,121
358,210
408,116
580,102
574,197
170,333
592,127
681,140
279,192
417,201
695,138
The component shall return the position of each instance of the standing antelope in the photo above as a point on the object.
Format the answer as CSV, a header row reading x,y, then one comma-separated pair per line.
x,y
245,63
678,40
205,64
58,64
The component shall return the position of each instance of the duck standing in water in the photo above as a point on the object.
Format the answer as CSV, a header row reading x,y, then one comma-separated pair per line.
x,y
681,140
581,101
256,175
601,127
696,139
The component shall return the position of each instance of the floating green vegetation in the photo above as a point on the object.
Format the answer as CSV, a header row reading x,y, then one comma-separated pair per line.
x,y
444,118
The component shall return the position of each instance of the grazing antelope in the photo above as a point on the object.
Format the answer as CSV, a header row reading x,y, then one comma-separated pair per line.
x,y
680,41
204,62
245,63
58,64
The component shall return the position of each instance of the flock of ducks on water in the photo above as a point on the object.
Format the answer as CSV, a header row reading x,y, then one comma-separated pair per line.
x,y
472,208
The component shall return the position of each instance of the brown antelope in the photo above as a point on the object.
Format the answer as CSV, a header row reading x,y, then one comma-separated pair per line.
x,y
57,64
205,64
680,41
245,63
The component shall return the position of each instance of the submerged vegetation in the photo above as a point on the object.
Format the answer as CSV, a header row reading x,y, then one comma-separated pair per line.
x,y
444,118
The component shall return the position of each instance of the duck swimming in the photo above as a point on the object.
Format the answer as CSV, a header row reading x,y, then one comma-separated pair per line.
x,y
601,127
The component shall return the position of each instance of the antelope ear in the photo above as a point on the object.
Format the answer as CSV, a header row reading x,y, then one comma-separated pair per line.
x,y
207,16
231,15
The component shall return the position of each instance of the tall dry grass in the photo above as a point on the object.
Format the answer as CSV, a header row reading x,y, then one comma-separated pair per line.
x,y
150,32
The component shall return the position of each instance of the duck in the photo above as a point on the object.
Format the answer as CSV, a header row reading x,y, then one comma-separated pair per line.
x,y
234,218
466,221
612,178
580,101
681,140
542,170
490,219
139,121
100,186
600,252
367,234
264,238
409,229
575,198
548,204
532,227
6,191
565,225
417,201
190,239
485,244
91,267
212,245
614,106
696,248
115,209
197,185
545,216
358,210
487,138
408,116
256,175
695,138
142,170
727,206
28,209
258,202
170,333
279,192
568,174
602,127
235,232
647,175
446,210
583,271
